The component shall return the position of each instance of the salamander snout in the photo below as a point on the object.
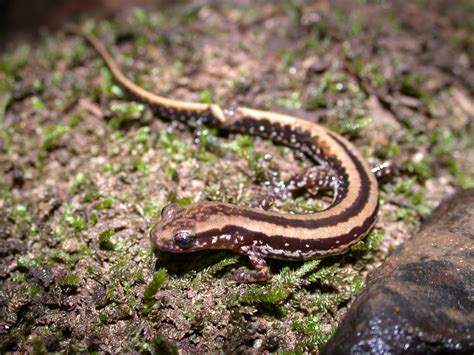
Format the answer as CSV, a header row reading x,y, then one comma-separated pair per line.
x,y
172,233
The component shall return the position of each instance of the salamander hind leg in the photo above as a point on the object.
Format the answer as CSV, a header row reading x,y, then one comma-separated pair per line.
x,y
262,272
386,171
313,180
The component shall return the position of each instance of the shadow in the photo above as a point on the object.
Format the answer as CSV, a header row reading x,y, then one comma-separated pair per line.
x,y
23,20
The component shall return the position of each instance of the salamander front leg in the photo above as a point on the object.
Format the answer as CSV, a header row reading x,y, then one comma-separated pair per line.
x,y
262,272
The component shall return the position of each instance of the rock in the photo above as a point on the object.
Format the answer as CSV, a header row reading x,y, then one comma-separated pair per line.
x,y
422,298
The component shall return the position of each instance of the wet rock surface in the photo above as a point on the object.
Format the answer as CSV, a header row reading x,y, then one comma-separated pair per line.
x,y
422,299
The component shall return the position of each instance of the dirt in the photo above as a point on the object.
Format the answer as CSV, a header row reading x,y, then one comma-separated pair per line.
x,y
85,171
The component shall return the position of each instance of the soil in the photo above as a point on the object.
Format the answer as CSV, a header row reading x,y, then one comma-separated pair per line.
x,y
85,171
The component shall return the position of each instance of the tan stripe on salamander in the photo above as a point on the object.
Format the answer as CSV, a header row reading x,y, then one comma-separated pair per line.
x,y
142,93
301,232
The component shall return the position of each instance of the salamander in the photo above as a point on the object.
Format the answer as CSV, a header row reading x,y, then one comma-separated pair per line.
x,y
253,232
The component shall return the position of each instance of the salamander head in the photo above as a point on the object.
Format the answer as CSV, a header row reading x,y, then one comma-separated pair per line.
x,y
176,230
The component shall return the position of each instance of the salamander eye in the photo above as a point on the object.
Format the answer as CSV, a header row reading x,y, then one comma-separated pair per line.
x,y
184,239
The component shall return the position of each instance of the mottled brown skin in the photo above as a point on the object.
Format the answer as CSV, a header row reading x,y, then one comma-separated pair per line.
x,y
256,233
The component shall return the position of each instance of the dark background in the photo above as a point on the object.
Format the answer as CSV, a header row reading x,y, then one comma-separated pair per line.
x,y
21,19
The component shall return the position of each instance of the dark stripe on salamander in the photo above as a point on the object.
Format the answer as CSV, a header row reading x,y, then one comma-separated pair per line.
x,y
305,141
323,246
172,113
288,221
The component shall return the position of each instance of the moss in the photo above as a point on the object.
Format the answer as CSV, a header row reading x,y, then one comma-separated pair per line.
x,y
185,201
172,172
405,213
442,146
311,333
255,164
280,287
37,345
105,203
26,263
189,16
18,278
80,179
465,181
345,99
5,129
159,278
404,187
411,84
387,151
415,196
217,268
205,96
206,156
114,169
177,150
302,204
142,167
30,290
5,98
141,15
106,241
286,59
13,62
162,346
420,168
117,174
241,83
329,302
121,285
330,275
351,126
61,256
206,137
140,140
292,102
370,244
240,143
370,72
86,251
71,219
74,120
37,103
69,281
125,111
108,88
19,214
51,135
91,195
